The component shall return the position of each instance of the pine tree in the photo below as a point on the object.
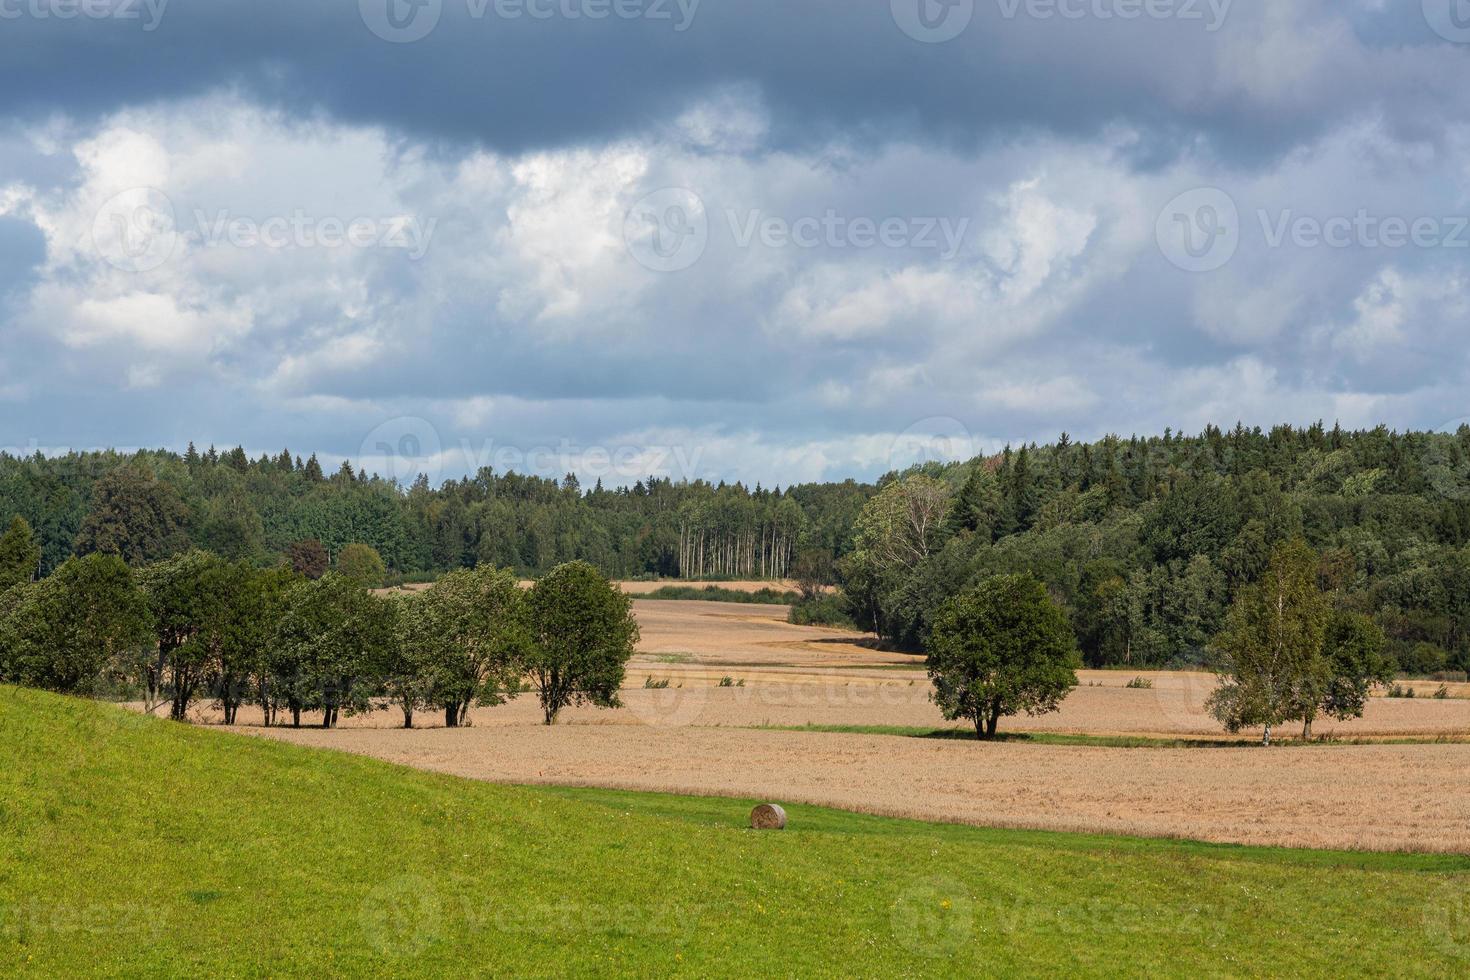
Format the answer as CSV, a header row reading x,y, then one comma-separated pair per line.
x,y
20,555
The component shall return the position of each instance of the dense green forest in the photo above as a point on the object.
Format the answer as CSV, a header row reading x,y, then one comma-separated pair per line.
x,y
1145,542
153,504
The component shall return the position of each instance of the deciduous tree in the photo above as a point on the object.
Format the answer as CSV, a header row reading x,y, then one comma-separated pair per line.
x,y
582,633
999,649
1270,652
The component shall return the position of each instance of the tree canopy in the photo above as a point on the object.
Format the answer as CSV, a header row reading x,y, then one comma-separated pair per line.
x,y
999,649
582,634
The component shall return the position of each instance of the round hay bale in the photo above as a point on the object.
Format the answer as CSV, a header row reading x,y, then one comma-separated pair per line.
x,y
768,816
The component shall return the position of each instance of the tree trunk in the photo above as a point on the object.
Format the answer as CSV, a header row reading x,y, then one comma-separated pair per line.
x,y
407,716
1307,730
451,715
992,723
1266,739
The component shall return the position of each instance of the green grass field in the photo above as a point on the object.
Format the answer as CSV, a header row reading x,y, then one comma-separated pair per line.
x,y
135,846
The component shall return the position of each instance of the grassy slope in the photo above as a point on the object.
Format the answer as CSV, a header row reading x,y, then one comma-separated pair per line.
x,y
131,845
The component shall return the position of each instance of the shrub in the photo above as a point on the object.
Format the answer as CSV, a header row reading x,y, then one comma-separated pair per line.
x,y
653,685
824,610
361,563
1140,684
715,593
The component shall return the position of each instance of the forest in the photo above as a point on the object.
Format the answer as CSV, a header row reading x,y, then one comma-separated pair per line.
x,y
1145,542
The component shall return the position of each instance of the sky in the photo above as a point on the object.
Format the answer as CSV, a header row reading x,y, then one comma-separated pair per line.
x,y
768,240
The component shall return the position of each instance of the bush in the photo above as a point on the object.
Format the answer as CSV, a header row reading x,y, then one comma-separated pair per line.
x,y
361,564
825,610
1423,660
715,593
1140,684
653,685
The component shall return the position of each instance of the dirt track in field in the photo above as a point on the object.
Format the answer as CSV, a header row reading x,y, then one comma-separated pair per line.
x,y
697,737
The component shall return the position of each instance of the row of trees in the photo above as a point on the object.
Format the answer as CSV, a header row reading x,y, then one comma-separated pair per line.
x,y
1147,543
198,627
150,505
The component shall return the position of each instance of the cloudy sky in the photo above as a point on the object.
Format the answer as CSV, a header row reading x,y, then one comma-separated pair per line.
x,y
775,240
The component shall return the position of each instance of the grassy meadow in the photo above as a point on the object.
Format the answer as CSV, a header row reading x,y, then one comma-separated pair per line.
x,y
131,845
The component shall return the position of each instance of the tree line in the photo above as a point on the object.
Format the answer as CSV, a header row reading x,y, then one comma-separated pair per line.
x,y
196,627
1144,542
150,505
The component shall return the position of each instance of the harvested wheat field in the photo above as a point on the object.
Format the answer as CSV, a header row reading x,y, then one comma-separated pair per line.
x,y
1325,797
772,698
696,736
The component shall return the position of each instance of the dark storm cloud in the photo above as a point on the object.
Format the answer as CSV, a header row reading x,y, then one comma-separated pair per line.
x,y
821,66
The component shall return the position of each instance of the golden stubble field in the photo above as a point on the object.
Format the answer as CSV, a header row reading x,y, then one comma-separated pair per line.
x,y
697,737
